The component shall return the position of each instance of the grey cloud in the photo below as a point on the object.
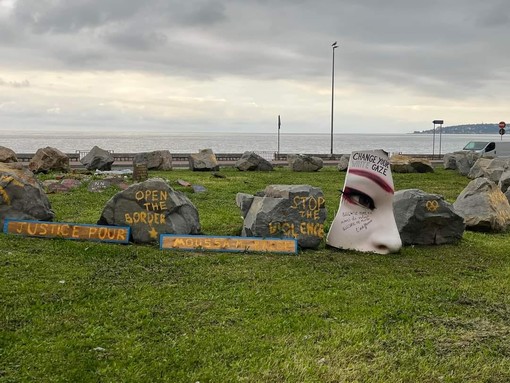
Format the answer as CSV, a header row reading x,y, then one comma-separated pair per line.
x,y
497,16
136,40
15,84
62,16
434,47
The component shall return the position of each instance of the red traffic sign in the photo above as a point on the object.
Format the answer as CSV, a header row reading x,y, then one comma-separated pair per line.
x,y
502,125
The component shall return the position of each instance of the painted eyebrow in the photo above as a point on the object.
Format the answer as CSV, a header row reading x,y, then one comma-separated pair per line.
x,y
373,177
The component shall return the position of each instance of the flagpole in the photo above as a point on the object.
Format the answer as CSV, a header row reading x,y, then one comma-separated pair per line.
x,y
279,125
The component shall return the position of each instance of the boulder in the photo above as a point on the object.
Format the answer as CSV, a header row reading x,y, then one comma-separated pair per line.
x,y
98,159
406,164
7,155
483,206
98,186
507,195
504,181
156,160
491,168
61,186
251,161
426,219
204,160
285,211
48,159
478,168
304,163
244,201
450,161
21,195
464,161
343,163
151,208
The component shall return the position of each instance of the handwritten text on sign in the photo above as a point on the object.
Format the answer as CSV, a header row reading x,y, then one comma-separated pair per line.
x,y
229,244
67,231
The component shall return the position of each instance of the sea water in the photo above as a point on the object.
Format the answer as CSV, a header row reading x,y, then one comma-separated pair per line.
x,y
239,143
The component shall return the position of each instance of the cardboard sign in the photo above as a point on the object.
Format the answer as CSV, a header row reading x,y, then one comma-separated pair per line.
x,y
101,233
228,244
365,219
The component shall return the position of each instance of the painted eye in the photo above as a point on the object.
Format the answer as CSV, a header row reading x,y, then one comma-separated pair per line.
x,y
358,198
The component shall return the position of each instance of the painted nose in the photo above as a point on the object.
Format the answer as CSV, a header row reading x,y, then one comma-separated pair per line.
x,y
386,240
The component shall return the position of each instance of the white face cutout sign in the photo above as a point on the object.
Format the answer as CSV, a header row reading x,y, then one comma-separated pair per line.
x,y
365,219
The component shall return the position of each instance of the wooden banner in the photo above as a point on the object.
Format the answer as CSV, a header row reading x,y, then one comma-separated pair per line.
x,y
228,244
101,233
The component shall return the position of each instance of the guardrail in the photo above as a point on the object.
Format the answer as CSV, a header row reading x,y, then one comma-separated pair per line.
x,y
75,158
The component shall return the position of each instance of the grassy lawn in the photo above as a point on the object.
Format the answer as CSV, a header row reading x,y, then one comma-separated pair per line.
x,y
89,312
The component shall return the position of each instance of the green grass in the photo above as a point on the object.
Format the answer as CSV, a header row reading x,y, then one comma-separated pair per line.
x,y
90,312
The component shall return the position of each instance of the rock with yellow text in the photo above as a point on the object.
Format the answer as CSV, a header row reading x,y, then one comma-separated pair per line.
x,y
426,219
151,208
21,195
285,211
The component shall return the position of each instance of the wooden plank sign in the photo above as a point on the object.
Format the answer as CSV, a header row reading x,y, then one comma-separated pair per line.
x,y
228,244
101,233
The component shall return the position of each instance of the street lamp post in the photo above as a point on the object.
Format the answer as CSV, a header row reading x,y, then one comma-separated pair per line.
x,y
334,46
440,123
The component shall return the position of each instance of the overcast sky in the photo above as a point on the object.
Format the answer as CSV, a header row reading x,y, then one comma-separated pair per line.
x,y
235,65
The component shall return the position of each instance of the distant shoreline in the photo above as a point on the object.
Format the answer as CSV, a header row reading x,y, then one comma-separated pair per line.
x,y
463,129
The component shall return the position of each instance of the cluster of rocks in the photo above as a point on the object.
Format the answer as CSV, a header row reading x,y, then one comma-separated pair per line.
x,y
152,207
51,159
251,161
483,205
399,164
495,170
426,219
460,161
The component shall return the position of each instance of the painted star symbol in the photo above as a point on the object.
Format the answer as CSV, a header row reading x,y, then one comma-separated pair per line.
x,y
153,233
